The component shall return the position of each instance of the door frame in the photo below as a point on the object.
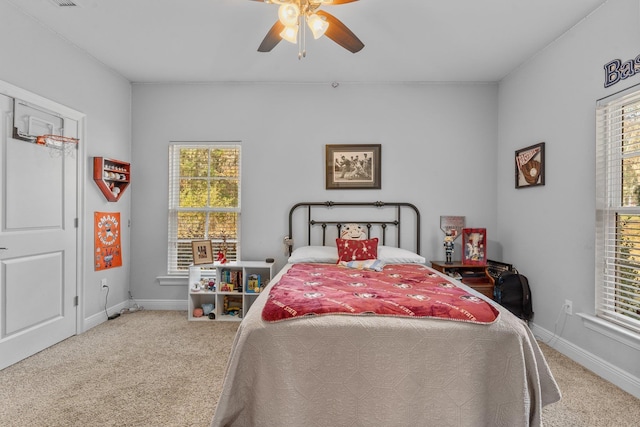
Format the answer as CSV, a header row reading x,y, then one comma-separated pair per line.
x,y
30,97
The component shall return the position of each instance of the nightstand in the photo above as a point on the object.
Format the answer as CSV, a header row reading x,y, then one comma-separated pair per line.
x,y
474,276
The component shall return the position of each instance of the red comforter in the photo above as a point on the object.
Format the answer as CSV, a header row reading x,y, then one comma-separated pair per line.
x,y
409,290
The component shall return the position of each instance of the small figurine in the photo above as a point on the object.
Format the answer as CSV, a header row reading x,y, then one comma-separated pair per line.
x,y
448,246
221,258
222,253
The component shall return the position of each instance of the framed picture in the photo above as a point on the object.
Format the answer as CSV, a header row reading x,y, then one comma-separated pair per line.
x,y
355,166
530,166
202,252
474,241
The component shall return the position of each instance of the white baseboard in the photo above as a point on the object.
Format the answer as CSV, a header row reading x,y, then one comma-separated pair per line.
x,y
98,318
597,365
163,304
151,304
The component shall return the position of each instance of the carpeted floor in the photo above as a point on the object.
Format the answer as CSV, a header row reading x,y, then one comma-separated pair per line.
x,y
154,368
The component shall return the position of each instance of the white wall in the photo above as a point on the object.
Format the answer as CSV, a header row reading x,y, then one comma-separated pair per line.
x,y
39,61
438,152
549,232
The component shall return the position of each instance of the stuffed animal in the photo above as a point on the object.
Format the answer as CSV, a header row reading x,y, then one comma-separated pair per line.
x,y
206,309
353,232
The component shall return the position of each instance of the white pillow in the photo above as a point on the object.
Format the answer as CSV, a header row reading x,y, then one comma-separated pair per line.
x,y
393,255
321,254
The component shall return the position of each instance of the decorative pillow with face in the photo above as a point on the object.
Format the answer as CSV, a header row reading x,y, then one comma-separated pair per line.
x,y
353,232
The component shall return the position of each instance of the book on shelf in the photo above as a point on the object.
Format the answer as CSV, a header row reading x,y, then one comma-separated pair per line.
x,y
253,283
232,278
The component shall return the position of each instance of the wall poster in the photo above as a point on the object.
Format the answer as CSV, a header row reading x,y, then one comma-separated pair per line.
x,y
108,251
530,166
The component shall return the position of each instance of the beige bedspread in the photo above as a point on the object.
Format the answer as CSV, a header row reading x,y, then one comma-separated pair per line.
x,y
379,371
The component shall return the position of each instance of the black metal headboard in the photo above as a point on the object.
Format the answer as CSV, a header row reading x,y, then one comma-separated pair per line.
x,y
316,210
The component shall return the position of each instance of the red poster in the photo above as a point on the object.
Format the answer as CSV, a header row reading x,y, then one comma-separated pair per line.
x,y
108,252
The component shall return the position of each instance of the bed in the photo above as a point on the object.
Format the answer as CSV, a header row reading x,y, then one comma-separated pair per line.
x,y
387,369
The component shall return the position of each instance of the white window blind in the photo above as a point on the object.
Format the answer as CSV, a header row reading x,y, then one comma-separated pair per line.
x,y
618,209
204,201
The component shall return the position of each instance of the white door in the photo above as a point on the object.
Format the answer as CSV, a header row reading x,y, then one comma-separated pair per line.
x,y
38,234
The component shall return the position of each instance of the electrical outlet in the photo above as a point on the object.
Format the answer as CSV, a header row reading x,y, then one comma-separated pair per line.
x,y
568,307
103,283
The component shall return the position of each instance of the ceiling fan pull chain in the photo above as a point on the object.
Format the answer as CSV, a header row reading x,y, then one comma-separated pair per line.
x,y
304,35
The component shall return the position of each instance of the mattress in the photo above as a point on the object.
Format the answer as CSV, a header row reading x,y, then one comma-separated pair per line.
x,y
336,370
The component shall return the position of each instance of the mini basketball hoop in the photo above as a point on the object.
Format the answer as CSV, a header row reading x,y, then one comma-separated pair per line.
x,y
61,144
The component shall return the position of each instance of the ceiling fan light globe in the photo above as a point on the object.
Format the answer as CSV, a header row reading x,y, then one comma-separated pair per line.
x,y
290,34
317,25
288,14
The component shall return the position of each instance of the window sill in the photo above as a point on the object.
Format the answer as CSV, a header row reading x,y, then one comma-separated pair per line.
x,y
611,330
177,280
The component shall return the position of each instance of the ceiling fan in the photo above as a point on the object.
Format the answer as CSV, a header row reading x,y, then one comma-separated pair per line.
x,y
293,14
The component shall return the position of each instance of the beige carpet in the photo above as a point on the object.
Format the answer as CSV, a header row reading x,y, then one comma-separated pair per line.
x,y
154,368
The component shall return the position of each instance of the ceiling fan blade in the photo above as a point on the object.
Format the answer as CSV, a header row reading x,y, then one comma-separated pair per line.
x,y
339,33
272,38
334,2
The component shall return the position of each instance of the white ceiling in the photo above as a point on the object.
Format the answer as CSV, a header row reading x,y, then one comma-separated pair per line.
x,y
217,40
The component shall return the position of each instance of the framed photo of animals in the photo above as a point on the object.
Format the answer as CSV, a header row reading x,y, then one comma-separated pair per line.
x,y
355,166
530,166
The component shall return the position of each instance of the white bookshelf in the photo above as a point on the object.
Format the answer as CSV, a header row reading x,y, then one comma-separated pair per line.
x,y
240,298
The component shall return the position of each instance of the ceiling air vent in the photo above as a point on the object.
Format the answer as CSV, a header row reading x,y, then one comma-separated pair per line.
x,y
64,3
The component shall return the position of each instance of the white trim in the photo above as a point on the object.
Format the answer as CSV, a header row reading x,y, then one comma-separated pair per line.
x,y
149,304
101,317
82,229
183,280
611,330
27,96
597,365
164,304
174,280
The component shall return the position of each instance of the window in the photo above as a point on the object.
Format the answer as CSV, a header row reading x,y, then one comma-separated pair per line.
x,y
204,201
618,209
